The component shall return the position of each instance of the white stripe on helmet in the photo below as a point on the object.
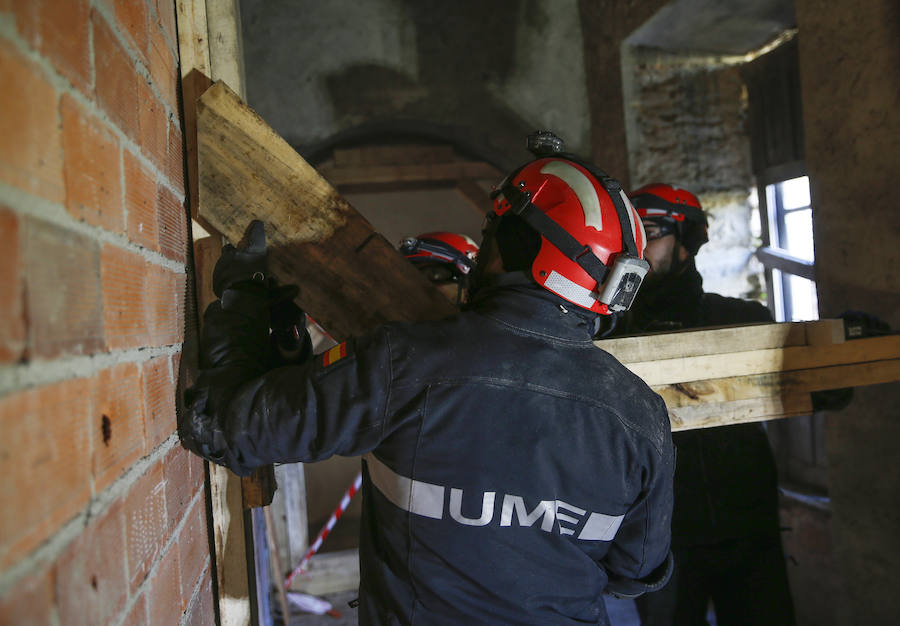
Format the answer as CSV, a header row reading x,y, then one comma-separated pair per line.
x,y
571,291
583,188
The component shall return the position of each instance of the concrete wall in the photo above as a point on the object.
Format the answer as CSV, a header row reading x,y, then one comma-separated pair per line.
x,y
102,518
850,72
485,78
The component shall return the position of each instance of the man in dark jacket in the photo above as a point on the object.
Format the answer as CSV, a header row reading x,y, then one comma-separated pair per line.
x,y
725,531
513,472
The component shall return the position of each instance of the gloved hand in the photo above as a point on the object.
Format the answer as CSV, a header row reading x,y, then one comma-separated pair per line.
x,y
242,265
859,324
290,339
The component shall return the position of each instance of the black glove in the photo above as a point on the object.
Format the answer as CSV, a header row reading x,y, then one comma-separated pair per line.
x,y
859,324
242,265
290,339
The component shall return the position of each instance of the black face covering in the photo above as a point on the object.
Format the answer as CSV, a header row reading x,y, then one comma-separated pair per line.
x,y
518,243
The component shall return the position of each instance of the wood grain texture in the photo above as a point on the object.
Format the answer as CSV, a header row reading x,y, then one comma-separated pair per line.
x,y
351,279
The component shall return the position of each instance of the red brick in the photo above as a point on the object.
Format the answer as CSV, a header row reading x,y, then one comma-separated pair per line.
x,y
117,422
145,524
201,610
175,159
193,547
137,616
159,401
141,301
92,170
162,66
133,20
163,305
62,291
45,442
180,303
153,126
12,309
164,596
29,601
59,31
30,146
179,486
172,217
90,576
140,202
126,318
165,13
116,79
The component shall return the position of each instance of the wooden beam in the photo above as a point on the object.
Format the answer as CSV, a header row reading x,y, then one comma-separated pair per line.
x,y
720,376
424,173
234,583
397,154
745,363
721,340
226,49
226,491
351,279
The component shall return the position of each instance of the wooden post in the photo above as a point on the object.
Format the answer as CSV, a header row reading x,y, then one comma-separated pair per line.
x,y
200,63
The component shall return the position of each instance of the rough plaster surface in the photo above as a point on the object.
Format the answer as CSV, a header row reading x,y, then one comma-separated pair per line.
x,y
315,69
686,126
850,73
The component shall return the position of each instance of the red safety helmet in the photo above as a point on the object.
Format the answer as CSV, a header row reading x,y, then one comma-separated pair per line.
x,y
454,250
592,239
676,206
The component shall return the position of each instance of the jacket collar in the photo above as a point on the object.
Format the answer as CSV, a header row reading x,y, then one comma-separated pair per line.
x,y
515,300
673,303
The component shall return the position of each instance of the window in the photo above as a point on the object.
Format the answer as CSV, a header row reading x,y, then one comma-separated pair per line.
x,y
787,251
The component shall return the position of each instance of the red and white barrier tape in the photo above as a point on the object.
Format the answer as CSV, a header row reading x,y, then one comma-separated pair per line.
x,y
335,516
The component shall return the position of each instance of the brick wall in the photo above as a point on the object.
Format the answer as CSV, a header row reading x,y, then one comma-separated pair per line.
x,y
103,517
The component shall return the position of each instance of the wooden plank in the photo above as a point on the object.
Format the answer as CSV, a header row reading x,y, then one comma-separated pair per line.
x,y
226,50
351,279
394,155
331,572
739,411
193,46
779,383
226,492
712,366
289,515
234,583
449,173
739,338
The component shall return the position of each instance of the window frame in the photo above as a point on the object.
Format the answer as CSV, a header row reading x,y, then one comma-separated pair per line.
x,y
772,256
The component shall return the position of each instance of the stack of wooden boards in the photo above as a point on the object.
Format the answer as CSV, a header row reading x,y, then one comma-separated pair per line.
x,y
750,373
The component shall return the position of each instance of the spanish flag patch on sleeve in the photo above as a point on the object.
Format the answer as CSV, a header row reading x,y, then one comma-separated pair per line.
x,y
334,355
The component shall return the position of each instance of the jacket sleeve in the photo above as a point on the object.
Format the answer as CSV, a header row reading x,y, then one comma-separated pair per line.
x,y
639,559
242,416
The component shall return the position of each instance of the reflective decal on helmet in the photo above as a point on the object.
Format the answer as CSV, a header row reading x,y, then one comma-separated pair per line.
x,y
637,226
571,291
583,188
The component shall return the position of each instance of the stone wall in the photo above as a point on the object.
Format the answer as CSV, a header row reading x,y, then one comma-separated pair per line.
x,y
686,121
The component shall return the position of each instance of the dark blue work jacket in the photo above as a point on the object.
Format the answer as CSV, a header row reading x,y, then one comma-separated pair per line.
x,y
513,471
